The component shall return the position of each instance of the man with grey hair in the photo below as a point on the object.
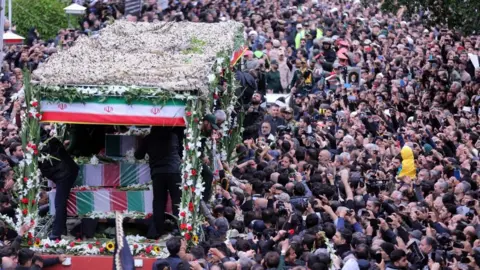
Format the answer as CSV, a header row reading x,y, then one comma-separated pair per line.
x,y
220,116
460,190
440,187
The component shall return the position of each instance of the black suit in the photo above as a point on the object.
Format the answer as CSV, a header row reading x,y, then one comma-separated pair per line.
x,y
63,171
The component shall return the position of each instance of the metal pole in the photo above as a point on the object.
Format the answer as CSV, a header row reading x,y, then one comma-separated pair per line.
x,y
10,15
2,28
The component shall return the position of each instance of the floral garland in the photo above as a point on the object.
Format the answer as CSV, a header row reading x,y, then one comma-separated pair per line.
x,y
132,187
130,93
329,247
27,173
134,131
111,215
94,160
139,246
192,184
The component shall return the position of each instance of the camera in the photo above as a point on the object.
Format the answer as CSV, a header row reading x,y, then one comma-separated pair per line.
x,y
444,241
281,208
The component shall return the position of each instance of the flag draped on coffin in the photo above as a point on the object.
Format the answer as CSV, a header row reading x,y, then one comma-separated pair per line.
x,y
119,145
114,111
105,200
113,175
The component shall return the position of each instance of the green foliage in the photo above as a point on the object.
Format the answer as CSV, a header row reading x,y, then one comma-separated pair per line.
x,y
47,16
196,46
454,14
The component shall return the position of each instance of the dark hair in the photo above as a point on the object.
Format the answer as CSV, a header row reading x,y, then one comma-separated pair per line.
x,y
242,245
239,196
218,210
24,256
229,213
431,242
198,252
312,220
272,259
260,175
237,225
312,153
329,229
268,215
173,245
309,241
13,147
397,255
298,189
362,252
347,235
283,179
37,259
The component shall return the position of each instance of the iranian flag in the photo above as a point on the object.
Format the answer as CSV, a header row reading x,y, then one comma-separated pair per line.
x,y
114,111
105,200
113,175
237,55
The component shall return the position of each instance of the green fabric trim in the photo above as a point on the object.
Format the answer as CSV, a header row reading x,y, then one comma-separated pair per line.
x,y
121,100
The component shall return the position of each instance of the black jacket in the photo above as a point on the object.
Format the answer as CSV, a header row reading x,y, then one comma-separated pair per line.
x,y
163,147
61,166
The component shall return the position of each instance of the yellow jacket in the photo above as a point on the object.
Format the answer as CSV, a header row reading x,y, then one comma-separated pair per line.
x,y
408,163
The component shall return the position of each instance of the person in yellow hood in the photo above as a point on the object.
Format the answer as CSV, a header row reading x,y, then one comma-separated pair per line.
x,y
408,163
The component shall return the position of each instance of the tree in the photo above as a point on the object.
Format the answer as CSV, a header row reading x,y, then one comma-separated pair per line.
x,y
47,16
460,15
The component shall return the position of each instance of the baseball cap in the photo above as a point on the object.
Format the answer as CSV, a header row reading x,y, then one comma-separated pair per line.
x,y
258,226
212,120
222,224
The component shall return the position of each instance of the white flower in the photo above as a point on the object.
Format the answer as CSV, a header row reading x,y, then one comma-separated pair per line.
x,y
130,156
94,160
199,191
211,78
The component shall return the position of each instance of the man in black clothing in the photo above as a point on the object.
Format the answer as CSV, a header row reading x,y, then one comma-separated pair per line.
x,y
163,146
25,257
39,262
63,171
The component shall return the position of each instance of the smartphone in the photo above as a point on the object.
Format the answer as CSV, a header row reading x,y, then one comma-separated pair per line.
x,y
374,223
378,257
457,244
433,256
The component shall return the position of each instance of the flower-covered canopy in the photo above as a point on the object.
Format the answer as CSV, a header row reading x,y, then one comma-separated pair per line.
x,y
163,55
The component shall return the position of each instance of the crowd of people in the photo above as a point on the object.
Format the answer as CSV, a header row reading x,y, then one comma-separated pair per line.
x,y
369,160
